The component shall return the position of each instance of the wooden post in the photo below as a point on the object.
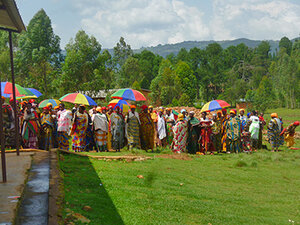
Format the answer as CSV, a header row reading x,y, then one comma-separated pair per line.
x,y
17,127
3,161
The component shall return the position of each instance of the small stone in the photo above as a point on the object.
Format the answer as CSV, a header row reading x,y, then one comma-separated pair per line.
x,y
140,176
87,208
181,184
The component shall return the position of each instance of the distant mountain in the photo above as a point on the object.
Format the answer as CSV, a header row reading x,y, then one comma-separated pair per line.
x,y
167,49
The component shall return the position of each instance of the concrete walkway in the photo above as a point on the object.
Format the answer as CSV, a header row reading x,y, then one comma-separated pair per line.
x,y
33,208
17,167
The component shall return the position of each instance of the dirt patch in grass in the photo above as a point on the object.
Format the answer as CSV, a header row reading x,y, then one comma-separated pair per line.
x,y
175,156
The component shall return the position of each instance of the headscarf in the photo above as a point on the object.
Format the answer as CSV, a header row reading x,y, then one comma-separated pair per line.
x,y
192,112
31,100
180,117
150,107
143,107
274,115
49,104
296,123
219,112
46,107
224,110
182,111
168,109
233,111
242,110
3,98
160,110
99,109
103,108
133,107
56,107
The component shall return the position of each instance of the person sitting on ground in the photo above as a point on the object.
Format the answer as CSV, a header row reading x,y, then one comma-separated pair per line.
x,y
289,133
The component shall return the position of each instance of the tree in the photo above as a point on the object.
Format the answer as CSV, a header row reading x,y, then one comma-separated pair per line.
x,y
287,44
84,64
264,95
122,51
39,53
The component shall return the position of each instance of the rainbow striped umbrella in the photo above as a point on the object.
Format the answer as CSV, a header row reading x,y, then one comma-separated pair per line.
x,y
124,105
214,105
78,98
44,103
129,94
20,91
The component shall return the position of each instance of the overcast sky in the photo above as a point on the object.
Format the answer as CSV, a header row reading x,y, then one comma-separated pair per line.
x,y
152,22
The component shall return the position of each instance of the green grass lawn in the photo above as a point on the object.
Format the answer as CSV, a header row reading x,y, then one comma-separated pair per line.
x,y
261,188
258,188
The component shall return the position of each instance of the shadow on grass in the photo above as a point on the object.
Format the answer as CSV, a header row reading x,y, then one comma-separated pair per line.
x,y
85,193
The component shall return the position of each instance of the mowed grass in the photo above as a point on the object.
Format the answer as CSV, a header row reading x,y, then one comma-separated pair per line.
x,y
258,188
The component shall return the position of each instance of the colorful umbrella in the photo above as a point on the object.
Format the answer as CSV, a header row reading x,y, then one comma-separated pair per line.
x,y
3,84
214,105
129,94
78,98
124,105
35,92
44,103
20,91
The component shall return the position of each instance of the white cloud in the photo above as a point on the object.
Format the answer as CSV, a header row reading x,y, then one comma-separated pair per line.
x,y
152,22
256,19
142,23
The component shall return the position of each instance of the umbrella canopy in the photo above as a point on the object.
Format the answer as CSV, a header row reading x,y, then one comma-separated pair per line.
x,y
3,84
35,92
78,98
20,91
129,94
124,105
26,97
44,103
214,105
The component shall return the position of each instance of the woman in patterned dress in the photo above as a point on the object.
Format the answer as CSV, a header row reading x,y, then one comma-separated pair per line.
x,y
180,134
274,130
79,135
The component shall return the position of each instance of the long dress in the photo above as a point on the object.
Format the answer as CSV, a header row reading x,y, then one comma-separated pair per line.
x,y
288,134
216,135
100,127
193,136
180,136
79,135
8,125
206,143
30,130
48,126
109,133
274,130
170,123
117,129
147,131
63,124
224,121
133,129
233,134
161,131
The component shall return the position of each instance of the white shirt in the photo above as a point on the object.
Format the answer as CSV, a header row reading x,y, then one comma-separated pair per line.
x,y
161,127
64,119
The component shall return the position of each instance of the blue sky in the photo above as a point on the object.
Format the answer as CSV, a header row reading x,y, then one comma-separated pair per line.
x,y
153,22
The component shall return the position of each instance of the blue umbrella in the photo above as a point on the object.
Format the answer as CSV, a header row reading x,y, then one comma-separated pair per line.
x,y
35,92
3,84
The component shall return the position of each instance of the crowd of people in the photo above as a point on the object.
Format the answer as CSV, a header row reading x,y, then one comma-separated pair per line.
x,y
105,128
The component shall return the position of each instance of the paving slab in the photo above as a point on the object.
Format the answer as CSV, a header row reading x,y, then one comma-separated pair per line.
x,y
17,167
33,207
